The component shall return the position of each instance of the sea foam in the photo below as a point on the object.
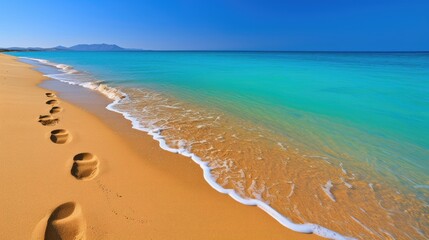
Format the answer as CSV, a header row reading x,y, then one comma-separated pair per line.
x,y
117,96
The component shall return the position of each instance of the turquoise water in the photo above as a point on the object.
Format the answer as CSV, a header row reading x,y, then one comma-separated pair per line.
x,y
378,101
368,111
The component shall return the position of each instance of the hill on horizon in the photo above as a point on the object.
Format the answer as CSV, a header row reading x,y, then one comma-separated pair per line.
x,y
78,47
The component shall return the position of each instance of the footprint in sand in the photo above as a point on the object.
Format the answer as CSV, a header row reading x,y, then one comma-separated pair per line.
x,y
85,166
55,110
60,136
48,120
52,102
66,222
49,94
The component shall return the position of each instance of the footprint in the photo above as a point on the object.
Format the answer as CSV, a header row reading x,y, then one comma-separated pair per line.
x,y
60,136
49,94
52,102
48,120
66,222
55,110
85,166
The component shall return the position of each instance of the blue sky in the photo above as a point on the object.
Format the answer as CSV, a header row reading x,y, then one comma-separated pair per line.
x,y
219,25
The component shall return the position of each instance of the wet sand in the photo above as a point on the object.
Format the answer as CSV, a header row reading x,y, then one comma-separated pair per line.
x,y
65,172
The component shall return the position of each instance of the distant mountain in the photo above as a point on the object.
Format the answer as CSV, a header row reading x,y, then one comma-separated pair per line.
x,y
79,47
96,47
59,47
24,49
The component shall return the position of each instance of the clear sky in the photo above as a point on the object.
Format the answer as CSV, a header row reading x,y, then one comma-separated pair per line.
x,y
219,25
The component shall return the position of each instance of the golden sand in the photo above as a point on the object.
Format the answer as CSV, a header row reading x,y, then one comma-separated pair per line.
x,y
65,173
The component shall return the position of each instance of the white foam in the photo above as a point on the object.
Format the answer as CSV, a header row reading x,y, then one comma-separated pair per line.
x,y
110,92
365,227
348,185
388,234
282,146
342,168
156,135
63,67
291,191
327,189
107,91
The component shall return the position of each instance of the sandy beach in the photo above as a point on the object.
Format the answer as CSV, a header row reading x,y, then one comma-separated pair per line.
x,y
67,173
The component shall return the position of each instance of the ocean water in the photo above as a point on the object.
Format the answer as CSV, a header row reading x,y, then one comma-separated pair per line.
x,y
340,140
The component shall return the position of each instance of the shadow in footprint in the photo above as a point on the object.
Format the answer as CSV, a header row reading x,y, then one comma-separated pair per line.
x,y
85,166
49,94
55,110
66,222
48,120
52,102
60,136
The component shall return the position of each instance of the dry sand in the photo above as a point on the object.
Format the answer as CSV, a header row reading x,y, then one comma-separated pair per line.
x,y
70,173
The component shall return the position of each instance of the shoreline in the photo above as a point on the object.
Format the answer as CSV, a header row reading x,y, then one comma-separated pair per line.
x,y
90,93
114,97
123,168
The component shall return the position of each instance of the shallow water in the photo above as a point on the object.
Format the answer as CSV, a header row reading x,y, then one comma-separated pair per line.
x,y
336,139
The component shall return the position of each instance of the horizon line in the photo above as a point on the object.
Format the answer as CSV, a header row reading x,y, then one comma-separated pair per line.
x,y
29,49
